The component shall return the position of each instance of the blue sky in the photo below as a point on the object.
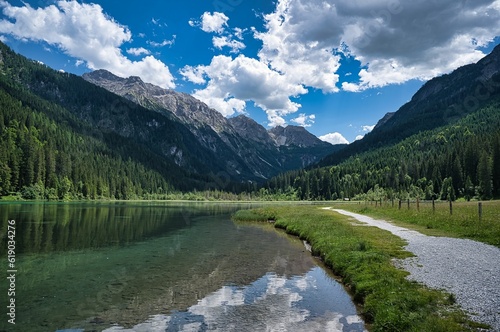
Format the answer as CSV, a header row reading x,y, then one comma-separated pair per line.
x,y
335,67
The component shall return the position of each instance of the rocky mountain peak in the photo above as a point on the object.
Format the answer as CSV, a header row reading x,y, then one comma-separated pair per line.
x,y
294,135
251,130
134,79
100,76
247,148
384,120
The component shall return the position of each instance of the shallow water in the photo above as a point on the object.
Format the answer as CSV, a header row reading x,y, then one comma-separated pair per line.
x,y
164,267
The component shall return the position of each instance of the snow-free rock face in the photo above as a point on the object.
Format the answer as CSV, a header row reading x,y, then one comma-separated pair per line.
x,y
295,135
248,149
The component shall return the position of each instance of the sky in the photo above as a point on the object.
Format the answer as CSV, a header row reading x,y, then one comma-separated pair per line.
x,y
333,66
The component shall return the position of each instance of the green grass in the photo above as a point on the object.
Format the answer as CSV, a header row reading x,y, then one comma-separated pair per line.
x,y
362,257
463,223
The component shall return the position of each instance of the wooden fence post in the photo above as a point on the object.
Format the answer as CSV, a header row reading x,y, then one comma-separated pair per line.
x,y
433,205
451,207
408,203
418,204
400,204
480,210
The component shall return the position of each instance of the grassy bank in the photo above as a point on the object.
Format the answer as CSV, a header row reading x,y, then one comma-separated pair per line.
x,y
362,257
463,223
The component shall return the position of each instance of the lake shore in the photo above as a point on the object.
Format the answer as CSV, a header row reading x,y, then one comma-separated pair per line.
x,y
363,258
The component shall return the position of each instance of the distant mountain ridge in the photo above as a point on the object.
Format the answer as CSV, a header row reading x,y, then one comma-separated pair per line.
x,y
249,150
443,144
62,136
439,102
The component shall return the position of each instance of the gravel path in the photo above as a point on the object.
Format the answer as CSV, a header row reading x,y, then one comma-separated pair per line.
x,y
468,269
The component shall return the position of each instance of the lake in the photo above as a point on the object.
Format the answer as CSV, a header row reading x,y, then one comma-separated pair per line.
x,y
162,266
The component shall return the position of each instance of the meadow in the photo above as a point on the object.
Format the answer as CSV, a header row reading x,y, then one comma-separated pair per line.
x,y
463,222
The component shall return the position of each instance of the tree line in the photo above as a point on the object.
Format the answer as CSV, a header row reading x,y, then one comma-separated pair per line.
x,y
461,160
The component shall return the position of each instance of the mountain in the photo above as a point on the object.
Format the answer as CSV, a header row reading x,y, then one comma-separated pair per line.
x,y
64,137
443,144
248,149
439,102
384,120
51,112
295,135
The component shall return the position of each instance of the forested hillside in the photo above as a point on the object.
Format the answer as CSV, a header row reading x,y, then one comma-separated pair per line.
x,y
444,144
440,102
457,160
62,137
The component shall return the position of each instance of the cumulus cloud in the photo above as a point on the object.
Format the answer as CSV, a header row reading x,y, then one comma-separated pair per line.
x,y
226,41
194,74
85,32
233,81
215,22
305,120
400,40
359,137
299,42
395,40
238,33
302,42
334,138
138,51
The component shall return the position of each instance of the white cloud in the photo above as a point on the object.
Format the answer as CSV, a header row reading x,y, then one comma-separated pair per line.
x,y
400,40
238,33
138,51
395,40
232,82
359,137
305,120
350,87
368,128
292,43
192,74
225,41
334,138
85,32
165,42
215,22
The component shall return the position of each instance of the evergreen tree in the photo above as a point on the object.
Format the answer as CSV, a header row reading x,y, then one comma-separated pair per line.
x,y
484,177
447,190
496,166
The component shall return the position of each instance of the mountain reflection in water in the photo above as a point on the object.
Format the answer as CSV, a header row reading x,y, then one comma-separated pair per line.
x,y
155,266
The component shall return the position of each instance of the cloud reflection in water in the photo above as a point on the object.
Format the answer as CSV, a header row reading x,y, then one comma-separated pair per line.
x,y
312,302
